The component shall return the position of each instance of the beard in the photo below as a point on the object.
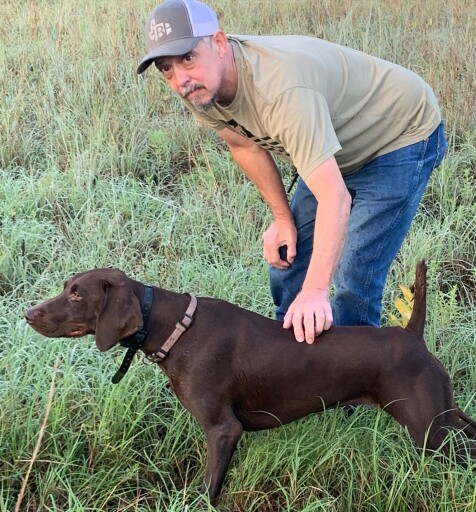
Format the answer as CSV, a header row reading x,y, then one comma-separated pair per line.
x,y
195,101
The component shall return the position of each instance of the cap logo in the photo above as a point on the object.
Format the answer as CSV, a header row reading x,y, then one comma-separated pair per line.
x,y
158,30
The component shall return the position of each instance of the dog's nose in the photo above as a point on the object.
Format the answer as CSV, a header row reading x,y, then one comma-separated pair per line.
x,y
32,314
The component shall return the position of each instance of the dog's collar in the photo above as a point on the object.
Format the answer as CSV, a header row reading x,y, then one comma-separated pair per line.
x,y
136,341
180,327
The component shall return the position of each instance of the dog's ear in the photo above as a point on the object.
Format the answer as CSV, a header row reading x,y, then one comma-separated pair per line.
x,y
119,317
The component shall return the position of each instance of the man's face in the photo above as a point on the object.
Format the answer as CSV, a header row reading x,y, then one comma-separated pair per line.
x,y
195,76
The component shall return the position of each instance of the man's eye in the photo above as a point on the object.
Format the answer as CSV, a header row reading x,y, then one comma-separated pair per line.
x,y
166,72
163,68
188,57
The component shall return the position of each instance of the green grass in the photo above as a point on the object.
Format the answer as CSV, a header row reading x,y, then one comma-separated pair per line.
x,y
101,168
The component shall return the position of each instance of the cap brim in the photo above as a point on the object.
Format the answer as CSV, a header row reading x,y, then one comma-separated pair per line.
x,y
172,48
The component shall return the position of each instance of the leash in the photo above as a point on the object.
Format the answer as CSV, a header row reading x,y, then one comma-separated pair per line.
x,y
136,340
295,178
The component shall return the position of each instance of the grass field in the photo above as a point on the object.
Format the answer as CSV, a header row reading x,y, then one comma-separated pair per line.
x,y
101,168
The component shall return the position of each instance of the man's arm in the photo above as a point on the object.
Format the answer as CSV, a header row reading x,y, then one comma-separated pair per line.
x,y
311,313
259,166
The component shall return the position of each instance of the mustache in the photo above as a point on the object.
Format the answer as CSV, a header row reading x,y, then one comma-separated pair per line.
x,y
185,91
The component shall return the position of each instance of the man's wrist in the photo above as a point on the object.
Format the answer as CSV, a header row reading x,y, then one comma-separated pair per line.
x,y
321,290
283,217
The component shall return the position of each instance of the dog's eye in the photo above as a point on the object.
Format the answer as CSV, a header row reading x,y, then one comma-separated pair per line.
x,y
74,295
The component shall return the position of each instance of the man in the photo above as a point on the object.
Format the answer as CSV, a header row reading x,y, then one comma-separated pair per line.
x,y
363,133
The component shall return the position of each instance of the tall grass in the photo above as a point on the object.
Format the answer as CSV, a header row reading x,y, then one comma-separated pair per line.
x,y
101,168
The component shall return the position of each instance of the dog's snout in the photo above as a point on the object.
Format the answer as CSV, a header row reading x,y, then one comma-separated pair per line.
x,y
32,314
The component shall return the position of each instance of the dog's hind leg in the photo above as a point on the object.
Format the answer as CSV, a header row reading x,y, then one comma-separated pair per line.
x,y
425,406
457,435
463,422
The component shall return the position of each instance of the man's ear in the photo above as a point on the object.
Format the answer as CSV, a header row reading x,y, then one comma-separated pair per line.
x,y
119,317
221,40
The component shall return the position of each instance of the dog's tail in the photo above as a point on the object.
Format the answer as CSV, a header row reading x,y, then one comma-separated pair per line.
x,y
416,324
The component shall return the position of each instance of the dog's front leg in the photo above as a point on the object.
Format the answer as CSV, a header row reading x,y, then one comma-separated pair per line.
x,y
221,443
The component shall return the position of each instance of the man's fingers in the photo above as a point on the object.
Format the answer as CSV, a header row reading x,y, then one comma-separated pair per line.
x,y
299,333
308,319
288,318
328,318
303,325
279,244
291,253
328,322
310,326
288,253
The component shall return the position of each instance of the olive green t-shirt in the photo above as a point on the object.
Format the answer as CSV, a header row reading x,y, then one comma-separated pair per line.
x,y
306,99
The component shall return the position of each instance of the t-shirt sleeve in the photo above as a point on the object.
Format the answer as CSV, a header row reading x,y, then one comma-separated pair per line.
x,y
300,119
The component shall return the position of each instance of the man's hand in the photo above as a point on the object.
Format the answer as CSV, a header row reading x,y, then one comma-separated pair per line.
x,y
280,233
309,314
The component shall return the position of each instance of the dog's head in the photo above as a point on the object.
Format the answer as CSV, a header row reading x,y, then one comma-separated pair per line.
x,y
99,302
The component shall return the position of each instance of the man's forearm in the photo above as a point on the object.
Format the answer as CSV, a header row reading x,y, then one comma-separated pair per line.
x,y
329,238
259,166
330,226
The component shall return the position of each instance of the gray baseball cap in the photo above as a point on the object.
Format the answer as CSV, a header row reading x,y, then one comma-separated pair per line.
x,y
175,27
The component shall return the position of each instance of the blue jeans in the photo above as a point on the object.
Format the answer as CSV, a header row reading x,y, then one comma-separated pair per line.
x,y
385,196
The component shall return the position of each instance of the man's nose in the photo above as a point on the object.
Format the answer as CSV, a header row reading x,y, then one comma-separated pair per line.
x,y
181,76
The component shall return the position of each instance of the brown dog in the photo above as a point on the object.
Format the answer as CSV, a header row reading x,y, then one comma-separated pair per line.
x,y
235,370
